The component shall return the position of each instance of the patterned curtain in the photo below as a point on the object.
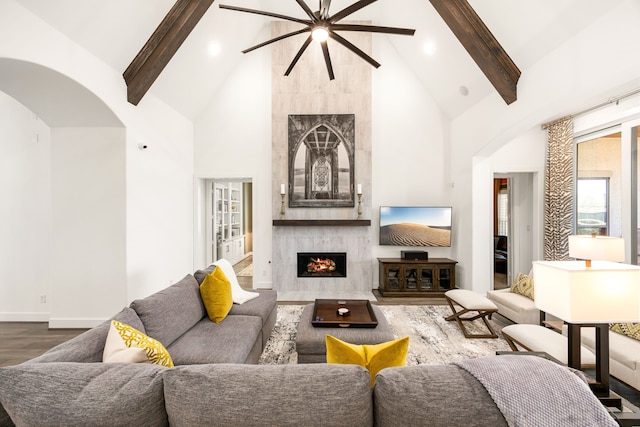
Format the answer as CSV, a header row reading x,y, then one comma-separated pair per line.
x,y
558,183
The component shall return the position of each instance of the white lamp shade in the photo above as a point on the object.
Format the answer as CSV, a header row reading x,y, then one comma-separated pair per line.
x,y
604,248
607,292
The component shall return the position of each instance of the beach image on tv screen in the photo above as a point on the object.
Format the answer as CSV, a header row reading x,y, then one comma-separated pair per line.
x,y
415,226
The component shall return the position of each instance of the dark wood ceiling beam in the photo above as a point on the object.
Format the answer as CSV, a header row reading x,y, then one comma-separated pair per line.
x,y
483,47
162,45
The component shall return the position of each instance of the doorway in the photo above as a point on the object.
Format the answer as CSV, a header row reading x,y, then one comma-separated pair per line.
x,y
514,222
501,232
229,225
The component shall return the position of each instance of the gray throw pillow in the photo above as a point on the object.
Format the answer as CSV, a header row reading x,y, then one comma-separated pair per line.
x,y
84,394
202,273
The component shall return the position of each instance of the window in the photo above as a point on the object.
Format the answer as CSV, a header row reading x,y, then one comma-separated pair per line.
x,y
593,206
599,185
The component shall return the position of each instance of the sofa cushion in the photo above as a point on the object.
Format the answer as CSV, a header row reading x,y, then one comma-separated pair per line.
x,y
182,300
262,307
278,395
128,345
84,394
374,357
89,346
215,292
623,349
512,300
230,341
414,395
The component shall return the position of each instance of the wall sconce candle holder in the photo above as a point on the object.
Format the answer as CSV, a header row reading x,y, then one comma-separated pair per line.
x,y
282,206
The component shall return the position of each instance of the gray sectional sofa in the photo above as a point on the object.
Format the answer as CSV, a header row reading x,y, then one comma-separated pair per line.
x,y
216,383
176,317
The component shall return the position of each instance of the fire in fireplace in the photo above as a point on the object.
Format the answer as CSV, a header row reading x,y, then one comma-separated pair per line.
x,y
322,264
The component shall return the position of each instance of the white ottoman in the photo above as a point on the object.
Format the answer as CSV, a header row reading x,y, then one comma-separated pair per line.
x,y
539,338
470,302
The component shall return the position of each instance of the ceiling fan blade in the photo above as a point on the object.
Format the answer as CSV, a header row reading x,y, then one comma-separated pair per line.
x,y
275,39
324,9
263,13
346,43
298,55
373,29
351,9
327,59
307,9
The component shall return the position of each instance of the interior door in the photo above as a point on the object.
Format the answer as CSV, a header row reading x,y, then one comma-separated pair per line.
x,y
501,232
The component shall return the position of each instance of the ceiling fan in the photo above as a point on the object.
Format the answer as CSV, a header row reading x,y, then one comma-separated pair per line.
x,y
463,21
322,25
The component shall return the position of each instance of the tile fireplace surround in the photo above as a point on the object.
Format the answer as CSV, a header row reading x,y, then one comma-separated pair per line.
x,y
353,240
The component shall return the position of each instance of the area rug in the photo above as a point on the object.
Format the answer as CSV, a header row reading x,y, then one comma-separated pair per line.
x,y
247,271
432,340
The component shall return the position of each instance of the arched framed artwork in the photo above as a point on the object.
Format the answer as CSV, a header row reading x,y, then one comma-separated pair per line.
x,y
321,160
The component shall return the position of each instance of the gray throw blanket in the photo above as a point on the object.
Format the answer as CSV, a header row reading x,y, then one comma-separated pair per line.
x,y
533,391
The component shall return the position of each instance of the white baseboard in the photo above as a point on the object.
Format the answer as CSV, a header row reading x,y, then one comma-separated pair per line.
x,y
24,317
261,285
62,323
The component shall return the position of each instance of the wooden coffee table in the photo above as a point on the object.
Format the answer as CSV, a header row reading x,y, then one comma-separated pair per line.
x,y
361,315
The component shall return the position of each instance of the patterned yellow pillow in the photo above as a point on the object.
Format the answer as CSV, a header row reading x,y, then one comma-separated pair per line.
x,y
374,357
632,330
128,345
215,291
523,285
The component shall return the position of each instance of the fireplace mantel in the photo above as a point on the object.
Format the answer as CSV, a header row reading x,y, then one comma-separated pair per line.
x,y
322,222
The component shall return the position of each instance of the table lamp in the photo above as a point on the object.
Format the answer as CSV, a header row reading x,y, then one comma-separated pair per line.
x,y
589,296
590,247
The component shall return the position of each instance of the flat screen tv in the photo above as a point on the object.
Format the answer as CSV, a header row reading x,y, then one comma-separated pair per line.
x,y
415,226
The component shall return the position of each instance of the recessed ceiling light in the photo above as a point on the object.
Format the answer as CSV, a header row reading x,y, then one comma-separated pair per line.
x,y
464,91
429,47
214,48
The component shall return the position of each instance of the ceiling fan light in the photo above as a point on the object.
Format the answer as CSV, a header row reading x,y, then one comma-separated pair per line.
x,y
320,34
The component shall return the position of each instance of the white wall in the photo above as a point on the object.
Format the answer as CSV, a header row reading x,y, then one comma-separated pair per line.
x,y
25,213
409,149
148,208
233,140
88,250
583,72
160,195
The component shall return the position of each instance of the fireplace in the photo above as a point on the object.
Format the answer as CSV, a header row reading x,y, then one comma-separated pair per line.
x,y
322,264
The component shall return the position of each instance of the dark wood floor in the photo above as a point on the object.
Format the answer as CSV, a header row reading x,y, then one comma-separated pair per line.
x,y
21,341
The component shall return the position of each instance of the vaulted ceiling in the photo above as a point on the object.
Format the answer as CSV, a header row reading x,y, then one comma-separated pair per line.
x,y
116,30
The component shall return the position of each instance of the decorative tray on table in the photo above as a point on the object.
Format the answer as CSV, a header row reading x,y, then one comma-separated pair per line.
x,y
353,313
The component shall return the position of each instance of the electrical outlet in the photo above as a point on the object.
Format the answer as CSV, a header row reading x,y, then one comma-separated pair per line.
x,y
43,299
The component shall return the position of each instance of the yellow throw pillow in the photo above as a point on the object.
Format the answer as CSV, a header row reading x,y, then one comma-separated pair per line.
x,y
374,357
523,285
128,345
215,291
